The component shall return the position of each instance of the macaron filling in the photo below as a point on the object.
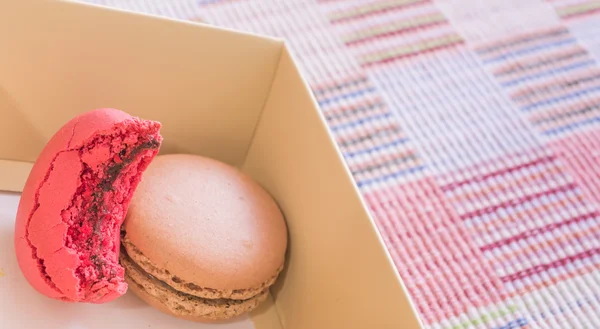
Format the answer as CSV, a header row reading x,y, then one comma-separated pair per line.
x,y
184,304
191,288
109,166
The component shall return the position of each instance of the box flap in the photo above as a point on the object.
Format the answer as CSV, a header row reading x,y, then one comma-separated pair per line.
x,y
339,274
20,139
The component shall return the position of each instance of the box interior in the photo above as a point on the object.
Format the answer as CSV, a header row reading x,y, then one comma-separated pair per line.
x,y
207,88
232,96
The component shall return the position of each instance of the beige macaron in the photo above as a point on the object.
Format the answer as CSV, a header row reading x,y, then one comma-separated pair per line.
x,y
201,241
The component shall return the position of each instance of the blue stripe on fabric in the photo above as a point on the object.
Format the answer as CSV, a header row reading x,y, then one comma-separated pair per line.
x,y
376,148
360,121
543,315
549,73
560,98
521,322
530,50
397,174
521,41
345,96
571,126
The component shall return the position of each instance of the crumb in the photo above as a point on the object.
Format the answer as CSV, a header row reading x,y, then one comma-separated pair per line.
x,y
247,244
2,273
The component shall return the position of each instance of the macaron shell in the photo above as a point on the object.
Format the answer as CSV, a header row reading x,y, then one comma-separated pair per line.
x,y
47,232
98,120
139,291
206,223
175,303
52,182
191,289
61,266
25,255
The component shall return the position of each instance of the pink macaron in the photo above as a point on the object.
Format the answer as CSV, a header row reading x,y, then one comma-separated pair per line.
x,y
67,233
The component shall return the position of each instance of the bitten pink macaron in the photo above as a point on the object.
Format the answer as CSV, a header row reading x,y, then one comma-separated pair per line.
x,y
202,241
74,202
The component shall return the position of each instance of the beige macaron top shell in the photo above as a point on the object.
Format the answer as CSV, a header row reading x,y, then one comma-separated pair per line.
x,y
206,223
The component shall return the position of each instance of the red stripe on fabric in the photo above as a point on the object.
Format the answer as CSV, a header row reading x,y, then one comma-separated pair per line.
x,y
504,171
538,230
544,267
439,261
518,201
580,154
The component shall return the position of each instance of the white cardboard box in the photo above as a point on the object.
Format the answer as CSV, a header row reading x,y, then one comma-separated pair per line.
x,y
236,97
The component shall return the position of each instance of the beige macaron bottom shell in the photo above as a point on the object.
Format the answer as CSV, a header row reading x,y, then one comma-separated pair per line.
x,y
170,301
188,287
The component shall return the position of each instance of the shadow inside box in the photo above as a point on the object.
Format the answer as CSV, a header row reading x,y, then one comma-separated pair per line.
x,y
21,306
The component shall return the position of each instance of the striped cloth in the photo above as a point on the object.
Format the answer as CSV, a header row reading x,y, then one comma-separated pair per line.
x,y
472,128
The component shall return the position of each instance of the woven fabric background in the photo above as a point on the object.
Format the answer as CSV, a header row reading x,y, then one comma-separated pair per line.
x,y
472,128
